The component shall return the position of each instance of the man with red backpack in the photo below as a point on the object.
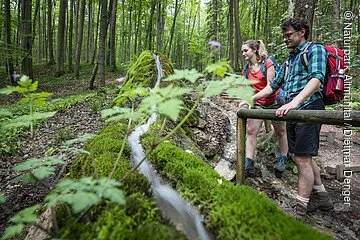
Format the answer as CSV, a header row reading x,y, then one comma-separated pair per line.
x,y
302,84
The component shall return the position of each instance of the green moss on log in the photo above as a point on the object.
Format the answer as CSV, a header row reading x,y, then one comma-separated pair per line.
x,y
144,72
232,212
138,219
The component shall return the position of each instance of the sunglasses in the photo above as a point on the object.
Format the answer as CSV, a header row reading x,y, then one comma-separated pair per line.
x,y
288,35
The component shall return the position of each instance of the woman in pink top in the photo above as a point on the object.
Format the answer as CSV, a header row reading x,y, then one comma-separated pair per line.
x,y
255,54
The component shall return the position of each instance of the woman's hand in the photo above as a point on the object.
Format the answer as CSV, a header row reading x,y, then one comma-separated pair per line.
x,y
244,104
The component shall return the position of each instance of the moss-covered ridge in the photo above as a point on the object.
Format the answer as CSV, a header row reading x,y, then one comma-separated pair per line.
x,y
138,219
144,72
232,212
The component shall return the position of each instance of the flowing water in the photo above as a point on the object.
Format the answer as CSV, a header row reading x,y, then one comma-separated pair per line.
x,y
174,207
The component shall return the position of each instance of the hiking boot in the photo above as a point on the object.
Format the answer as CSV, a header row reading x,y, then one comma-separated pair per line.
x,y
280,164
301,211
320,200
249,167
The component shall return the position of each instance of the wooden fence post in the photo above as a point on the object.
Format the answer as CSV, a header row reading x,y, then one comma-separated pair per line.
x,y
240,149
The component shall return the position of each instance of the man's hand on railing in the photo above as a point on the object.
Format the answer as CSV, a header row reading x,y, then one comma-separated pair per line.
x,y
284,109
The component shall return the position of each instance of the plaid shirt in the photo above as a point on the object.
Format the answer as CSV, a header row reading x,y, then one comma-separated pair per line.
x,y
298,75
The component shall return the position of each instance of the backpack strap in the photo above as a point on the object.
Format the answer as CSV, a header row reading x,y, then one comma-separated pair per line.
x,y
246,70
263,67
304,56
286,69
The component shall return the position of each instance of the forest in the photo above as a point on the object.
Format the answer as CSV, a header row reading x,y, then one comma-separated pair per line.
x,y
75,79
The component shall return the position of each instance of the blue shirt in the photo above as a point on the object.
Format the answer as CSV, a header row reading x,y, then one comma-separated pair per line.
x,y
299,75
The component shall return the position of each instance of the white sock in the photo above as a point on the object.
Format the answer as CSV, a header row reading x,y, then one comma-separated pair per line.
x,y
302,200
319,188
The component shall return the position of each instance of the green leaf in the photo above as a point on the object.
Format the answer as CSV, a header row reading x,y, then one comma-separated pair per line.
x,y
2,198
41,173
44,94
15,124
26,120
171,91
8,90
26,215
33,86
12,231
218,68
38,162
295,170
171,108
235,80
24,79
82,200
83,138
214,88
25,178
5,113
243,92
115,196
190,75
25,100
85,192
77,151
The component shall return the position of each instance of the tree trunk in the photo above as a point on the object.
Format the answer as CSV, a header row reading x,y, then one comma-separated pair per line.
x,y
39,45
36,17
79,38
231,32
123,51
254,18
130,32
93,76
26,38
89,30
305,9
150,25
112,37
96,34
258,20
291,6
71,29
172,30
7,27
336,22
266,24
358,40
18,31
102,44
158,26
50,34
137,40
76,22
237,44
45,39
60,53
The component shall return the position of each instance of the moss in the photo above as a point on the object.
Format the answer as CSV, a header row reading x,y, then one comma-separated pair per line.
x,y
116,222
109,221
143,73
232,212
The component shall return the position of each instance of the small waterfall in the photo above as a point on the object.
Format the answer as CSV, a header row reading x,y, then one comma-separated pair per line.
x,y
174,207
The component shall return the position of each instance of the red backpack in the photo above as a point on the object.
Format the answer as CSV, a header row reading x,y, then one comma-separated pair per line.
x,y
333,89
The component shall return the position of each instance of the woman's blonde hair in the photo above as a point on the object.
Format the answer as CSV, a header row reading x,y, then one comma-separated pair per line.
x,y
259,48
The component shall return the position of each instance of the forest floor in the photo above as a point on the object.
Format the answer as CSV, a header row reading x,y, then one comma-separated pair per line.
x,y
342,223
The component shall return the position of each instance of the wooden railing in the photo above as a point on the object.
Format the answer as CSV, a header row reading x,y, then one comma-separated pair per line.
x,y
349,119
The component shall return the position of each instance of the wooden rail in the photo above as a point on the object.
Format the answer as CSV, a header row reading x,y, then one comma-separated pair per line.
x,y
309,116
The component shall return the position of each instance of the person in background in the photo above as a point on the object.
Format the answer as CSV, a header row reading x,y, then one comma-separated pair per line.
x,y
261,68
